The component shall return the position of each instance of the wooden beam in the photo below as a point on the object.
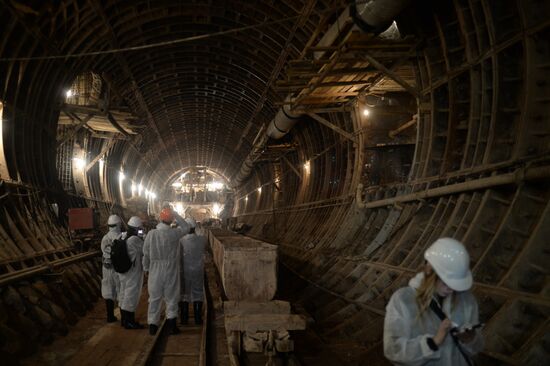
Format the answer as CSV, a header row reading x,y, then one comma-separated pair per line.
x,y
333,127
403,127
292,166
392,75
264,322
106,148
81,123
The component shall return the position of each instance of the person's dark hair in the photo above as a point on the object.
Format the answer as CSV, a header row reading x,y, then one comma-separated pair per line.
x,y
192,230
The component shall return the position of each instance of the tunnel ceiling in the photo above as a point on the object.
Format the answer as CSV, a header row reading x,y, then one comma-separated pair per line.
x,y
202,101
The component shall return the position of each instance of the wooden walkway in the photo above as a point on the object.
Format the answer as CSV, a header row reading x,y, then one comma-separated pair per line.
x,y
114,345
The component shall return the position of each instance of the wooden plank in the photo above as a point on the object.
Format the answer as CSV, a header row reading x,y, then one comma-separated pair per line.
x,y
264,322
262,307
114,345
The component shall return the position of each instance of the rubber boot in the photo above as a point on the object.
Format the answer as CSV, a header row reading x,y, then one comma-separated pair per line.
x,y
197,310
172,326
184,312
153,328
131,321
122,318
110,305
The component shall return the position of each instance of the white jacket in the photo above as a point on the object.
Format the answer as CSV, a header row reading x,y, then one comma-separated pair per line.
x,y
193,247
406,334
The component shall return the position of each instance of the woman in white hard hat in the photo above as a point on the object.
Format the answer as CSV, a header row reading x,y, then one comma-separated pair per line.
x,y
435,320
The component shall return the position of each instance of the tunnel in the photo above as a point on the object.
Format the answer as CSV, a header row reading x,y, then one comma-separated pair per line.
x,y
350,134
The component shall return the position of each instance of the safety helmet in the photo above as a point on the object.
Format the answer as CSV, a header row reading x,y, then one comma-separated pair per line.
x,y
135,222
114,220
451,262
192,223
166,215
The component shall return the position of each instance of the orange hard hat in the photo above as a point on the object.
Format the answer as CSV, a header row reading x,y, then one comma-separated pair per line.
x,y
166,215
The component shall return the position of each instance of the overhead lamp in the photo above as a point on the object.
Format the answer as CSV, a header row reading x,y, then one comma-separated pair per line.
x,y
79,163
140,188
366,112
153,195
259,189
121,176
69,93
176,184
307,166
246,198
133,188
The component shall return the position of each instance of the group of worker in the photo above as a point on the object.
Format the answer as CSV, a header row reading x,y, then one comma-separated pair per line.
x,y
432,321
169,256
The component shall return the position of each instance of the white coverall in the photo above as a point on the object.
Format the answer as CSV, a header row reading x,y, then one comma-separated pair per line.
x,y
131,282
406,334
110,283
193,246
161,252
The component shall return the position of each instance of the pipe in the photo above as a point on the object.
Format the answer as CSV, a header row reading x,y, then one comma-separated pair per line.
x,y
283,122
520,175
33,271
372,16
375,16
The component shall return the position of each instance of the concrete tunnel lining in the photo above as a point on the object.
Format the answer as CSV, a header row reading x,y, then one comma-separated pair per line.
x,y
473,165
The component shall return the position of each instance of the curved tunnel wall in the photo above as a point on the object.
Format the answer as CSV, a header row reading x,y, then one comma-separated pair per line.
x,y
482,72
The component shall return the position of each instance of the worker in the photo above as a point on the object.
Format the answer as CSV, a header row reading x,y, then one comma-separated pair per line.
x,y
435,320
131,281
110,283
160,259
193,247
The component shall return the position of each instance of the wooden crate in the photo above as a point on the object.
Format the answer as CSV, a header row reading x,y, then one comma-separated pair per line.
x,y
247,267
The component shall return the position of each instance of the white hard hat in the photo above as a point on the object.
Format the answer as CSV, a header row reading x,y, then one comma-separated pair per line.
x,y
114,220
450,260
192,223
135,222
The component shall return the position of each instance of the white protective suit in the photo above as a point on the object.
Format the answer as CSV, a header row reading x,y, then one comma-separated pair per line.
x,y
193,247
110,283
405,334
161,252
131,282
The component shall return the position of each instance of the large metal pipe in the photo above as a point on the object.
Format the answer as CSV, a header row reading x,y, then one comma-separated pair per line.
x,y
8,278
371,17
520,175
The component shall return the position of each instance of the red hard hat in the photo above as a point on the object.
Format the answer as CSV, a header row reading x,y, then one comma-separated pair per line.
x,y
166,215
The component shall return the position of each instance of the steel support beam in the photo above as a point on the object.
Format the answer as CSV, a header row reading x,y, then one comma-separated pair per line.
x,y
520,175
103,151
333,127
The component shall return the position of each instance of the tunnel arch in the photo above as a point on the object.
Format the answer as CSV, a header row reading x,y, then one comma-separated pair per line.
x,y
471,162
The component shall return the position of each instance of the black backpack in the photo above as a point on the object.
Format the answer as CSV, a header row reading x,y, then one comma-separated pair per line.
x,y
119,256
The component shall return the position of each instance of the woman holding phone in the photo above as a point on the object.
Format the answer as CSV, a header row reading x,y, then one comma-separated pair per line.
x,y
435,320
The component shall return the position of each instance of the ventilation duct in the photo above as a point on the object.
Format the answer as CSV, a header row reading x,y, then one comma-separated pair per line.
x,y
372,16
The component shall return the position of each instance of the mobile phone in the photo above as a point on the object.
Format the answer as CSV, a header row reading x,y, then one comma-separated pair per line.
x,y
140,231
470,327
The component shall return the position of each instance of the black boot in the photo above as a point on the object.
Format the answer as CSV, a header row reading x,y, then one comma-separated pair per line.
x,y
184,312
172,326
153,328
122,318
197,310
110,305
131,321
